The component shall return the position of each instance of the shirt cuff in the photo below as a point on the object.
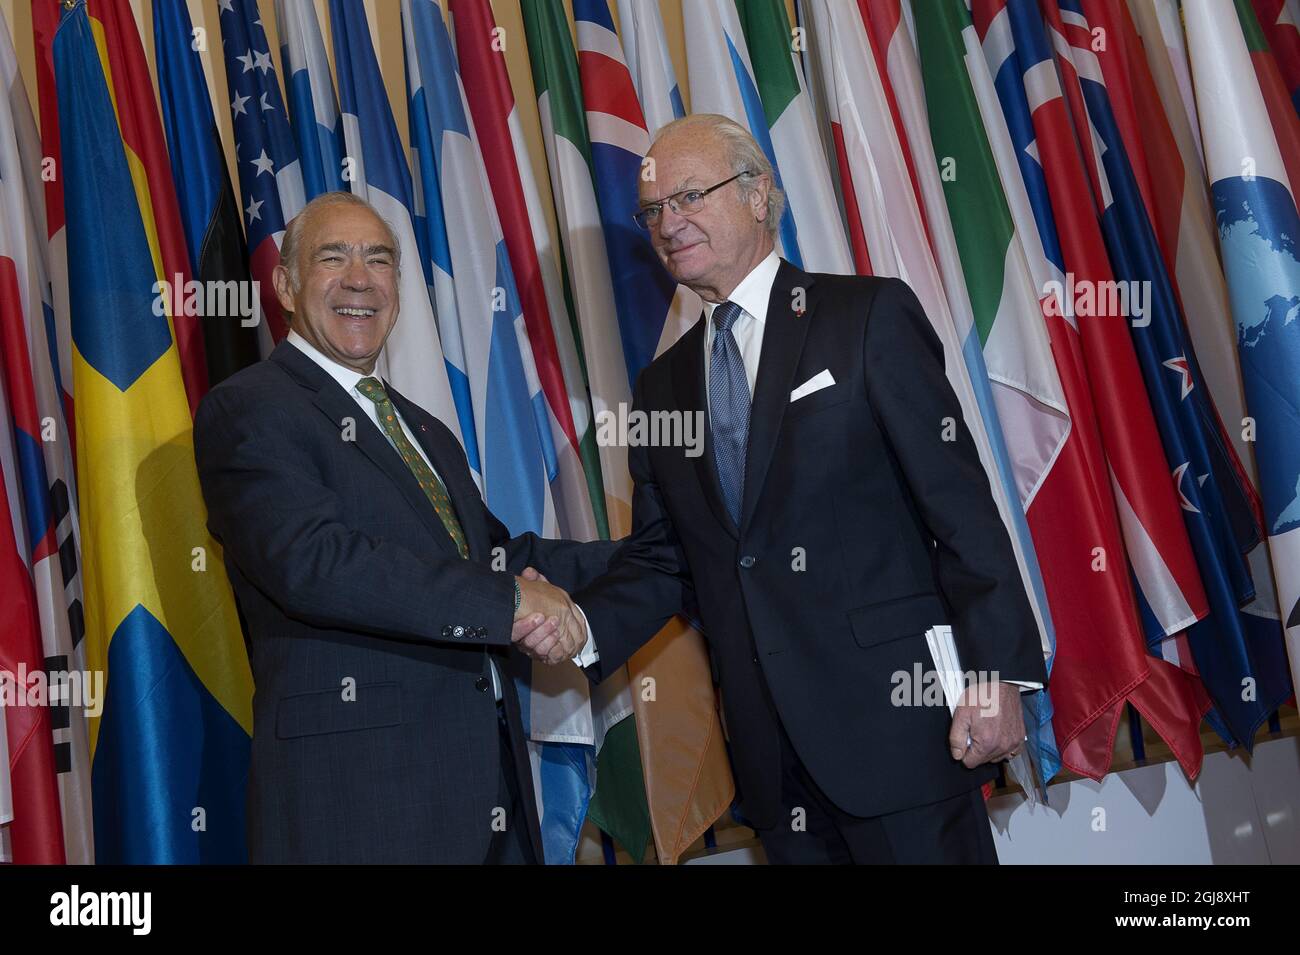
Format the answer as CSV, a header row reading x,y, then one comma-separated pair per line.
x,y
589,653
1026,686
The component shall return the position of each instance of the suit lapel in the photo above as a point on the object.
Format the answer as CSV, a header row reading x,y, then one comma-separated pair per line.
x,y
688,386
337,405
784,332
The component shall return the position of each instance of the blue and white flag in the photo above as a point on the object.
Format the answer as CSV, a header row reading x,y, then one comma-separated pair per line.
x,y
722,81
646,50
503,417
313,105
413,358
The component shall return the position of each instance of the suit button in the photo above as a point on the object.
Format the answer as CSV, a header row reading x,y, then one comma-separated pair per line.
x,y
482,683
481,633
458,631
747,561
446,632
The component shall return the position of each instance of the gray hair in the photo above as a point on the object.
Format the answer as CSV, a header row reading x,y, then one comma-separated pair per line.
x,y
744,155
289,251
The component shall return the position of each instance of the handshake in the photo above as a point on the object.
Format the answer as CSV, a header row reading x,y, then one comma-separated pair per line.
x,y
548,625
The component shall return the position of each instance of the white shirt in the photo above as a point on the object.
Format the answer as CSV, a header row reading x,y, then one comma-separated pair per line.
x,y
348,379
752,295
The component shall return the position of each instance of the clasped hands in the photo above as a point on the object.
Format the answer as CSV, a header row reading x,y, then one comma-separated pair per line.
x,y
548,625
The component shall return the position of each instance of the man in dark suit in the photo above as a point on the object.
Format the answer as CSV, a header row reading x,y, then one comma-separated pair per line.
x,y
386,727
838,512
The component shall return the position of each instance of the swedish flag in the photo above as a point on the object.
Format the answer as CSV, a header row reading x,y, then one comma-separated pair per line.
x,y
170,750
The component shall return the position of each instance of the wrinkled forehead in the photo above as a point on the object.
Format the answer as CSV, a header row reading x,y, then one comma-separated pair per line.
x,y
349,225
691,159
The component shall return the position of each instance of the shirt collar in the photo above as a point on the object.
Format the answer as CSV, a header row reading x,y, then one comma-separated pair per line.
x,y
754,291
346,377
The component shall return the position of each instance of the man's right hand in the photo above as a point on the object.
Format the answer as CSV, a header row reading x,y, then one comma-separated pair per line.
x,y
547,625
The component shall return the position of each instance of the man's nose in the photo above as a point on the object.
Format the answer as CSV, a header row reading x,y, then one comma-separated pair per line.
x,y
357,275
670,222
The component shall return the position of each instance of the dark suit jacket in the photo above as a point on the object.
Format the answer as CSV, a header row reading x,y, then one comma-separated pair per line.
x,y
345,576
860,529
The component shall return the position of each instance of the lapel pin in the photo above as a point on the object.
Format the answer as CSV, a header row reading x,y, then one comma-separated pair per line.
x,y
798,298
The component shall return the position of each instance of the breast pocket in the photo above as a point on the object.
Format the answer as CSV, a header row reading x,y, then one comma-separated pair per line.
x,y
370,706
893,619
829,397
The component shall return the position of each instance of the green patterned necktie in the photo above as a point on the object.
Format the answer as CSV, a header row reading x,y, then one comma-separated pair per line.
x,y
429,483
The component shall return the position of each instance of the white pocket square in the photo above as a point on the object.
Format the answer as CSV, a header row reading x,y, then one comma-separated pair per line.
x,y
817,382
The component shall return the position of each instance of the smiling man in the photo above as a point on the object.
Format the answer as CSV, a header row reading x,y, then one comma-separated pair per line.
x,y
838,512
386,727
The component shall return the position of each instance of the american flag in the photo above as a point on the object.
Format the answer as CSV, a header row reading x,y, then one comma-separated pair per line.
x,y
270,177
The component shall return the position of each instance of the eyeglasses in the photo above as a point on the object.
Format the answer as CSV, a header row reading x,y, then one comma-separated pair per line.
x,y
684,203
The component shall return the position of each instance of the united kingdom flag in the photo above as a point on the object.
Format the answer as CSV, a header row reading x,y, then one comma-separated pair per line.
x,y
270,177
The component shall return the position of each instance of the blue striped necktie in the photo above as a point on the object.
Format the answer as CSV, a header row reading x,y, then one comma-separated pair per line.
x,y
728,407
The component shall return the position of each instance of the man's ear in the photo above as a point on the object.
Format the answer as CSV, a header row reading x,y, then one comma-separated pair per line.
x,y
758,198
283,288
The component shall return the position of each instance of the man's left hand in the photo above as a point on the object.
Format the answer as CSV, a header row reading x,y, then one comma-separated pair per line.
x,y
989,715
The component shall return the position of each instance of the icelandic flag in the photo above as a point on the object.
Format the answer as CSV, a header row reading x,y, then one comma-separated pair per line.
x,y
413,357
313,106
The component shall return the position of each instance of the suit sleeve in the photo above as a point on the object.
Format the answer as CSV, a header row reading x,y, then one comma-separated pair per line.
x,y
910,395
287,532
568,564
648,581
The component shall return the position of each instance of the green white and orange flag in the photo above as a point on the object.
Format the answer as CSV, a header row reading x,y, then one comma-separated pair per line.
x,y
1027,415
